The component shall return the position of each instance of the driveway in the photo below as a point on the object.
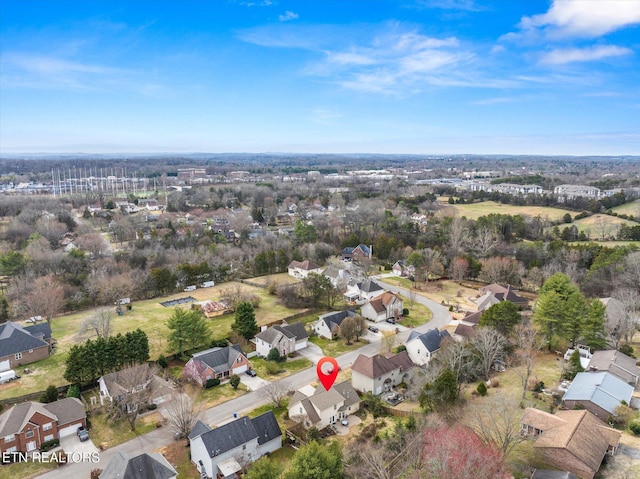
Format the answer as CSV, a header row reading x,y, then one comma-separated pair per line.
x,y
312,352
72,443
253,383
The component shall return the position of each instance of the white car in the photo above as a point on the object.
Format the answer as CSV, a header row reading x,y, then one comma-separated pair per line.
x,y
34,319
344,422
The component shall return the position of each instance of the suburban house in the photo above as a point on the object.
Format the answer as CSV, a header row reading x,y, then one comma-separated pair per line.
x,y
302,269
617,363
384,306
27,425
320,408
486,301
359,252
363,291
575,441
216,363
399,268
505,293
117,385
421,347
125,466
328,325
286,338
23,345
464,331
599,393
224,451
339,277
378,374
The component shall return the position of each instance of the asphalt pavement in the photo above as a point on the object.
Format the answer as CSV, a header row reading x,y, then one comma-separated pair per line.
x,y
224,412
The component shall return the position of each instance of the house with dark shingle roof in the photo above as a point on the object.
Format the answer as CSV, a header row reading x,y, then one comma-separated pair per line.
x,y
575,441
321,408
599,393
25,426
377,374
505,293
286,338
223,452
23,345
328,325
384,306
144,466
216,363
302,269
361,251
421,347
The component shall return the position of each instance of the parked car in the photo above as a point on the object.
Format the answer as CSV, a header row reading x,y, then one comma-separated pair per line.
x,y
252,373
373,329
391,320
83,434
344,422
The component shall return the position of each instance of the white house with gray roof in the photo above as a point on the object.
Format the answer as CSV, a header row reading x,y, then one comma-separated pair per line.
x,y
320,408
143,466
328,325
421,347
286,338
224,451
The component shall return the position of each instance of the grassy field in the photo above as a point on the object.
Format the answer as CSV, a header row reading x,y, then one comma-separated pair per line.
x,y
595,226
287,368
335,347
449,292
476,210
148,315
25,470
632,208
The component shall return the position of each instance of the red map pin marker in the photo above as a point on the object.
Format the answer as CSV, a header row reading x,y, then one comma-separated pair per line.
x,y
329,373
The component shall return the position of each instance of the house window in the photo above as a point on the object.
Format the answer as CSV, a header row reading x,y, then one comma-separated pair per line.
x,y
47,426
48,438
9,438
31,350
239,359
18,356
29,434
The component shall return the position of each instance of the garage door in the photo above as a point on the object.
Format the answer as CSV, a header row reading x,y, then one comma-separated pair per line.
x,y
5,365
240,369
69,430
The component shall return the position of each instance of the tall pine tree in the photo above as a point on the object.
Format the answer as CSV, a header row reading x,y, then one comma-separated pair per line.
x,y
245,323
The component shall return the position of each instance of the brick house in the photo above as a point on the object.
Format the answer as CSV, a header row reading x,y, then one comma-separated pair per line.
x,y
25,426
23,345
384,306
216,363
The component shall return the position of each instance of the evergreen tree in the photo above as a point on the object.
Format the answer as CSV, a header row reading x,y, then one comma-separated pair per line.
x,y
50,394
245,323
315,461
264,468
234,381
442,392
188,330
503,316
593,333
549,313
575,313
575,366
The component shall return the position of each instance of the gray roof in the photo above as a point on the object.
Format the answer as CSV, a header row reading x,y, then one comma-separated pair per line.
x,y
335,319
67,410
602,389
63,412
144,466
240,431
295,331
40,330
431,339
16,339
369,286
219,359
617,363
199,428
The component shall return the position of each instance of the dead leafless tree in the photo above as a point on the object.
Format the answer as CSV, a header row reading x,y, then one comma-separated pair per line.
x,y
182,413
99,323
528,345
276,392
137,385
489,346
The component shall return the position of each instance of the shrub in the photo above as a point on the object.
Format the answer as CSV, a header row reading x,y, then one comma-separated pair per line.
x,y
47,445
162,362
50,394
211,383
272,368
73,391
634,427
627,349
405,311
234,381
482,389
274,355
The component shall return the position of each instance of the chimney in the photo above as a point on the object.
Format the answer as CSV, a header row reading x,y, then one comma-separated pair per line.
x,y
370,251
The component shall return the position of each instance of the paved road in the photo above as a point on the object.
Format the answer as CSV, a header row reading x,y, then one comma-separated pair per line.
x,y
223,413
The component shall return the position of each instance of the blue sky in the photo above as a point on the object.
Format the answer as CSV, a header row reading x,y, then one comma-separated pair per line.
x,y
395,76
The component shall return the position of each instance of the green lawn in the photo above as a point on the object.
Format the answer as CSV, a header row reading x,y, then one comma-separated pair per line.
x,y
335,347
213,396
287,368
632,208
25,470
418,314
106,433
597,226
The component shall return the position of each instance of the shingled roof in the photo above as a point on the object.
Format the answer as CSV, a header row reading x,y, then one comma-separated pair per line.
x,y
240,431
431,339
335,319
369,286
380,302
295,331
63,412
16,339
144,466
305,265
617,363
376,366
219,359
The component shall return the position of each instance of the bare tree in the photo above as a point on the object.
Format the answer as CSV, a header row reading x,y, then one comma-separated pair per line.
x,y
99,323
496,420
528,345
182,413
275,392
388,341
489,345
412,296
458,236
485,241
348,329
138,384
623,310
45,299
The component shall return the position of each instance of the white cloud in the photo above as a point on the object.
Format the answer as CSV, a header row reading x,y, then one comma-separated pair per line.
x,y
288,15
583,18
562,56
